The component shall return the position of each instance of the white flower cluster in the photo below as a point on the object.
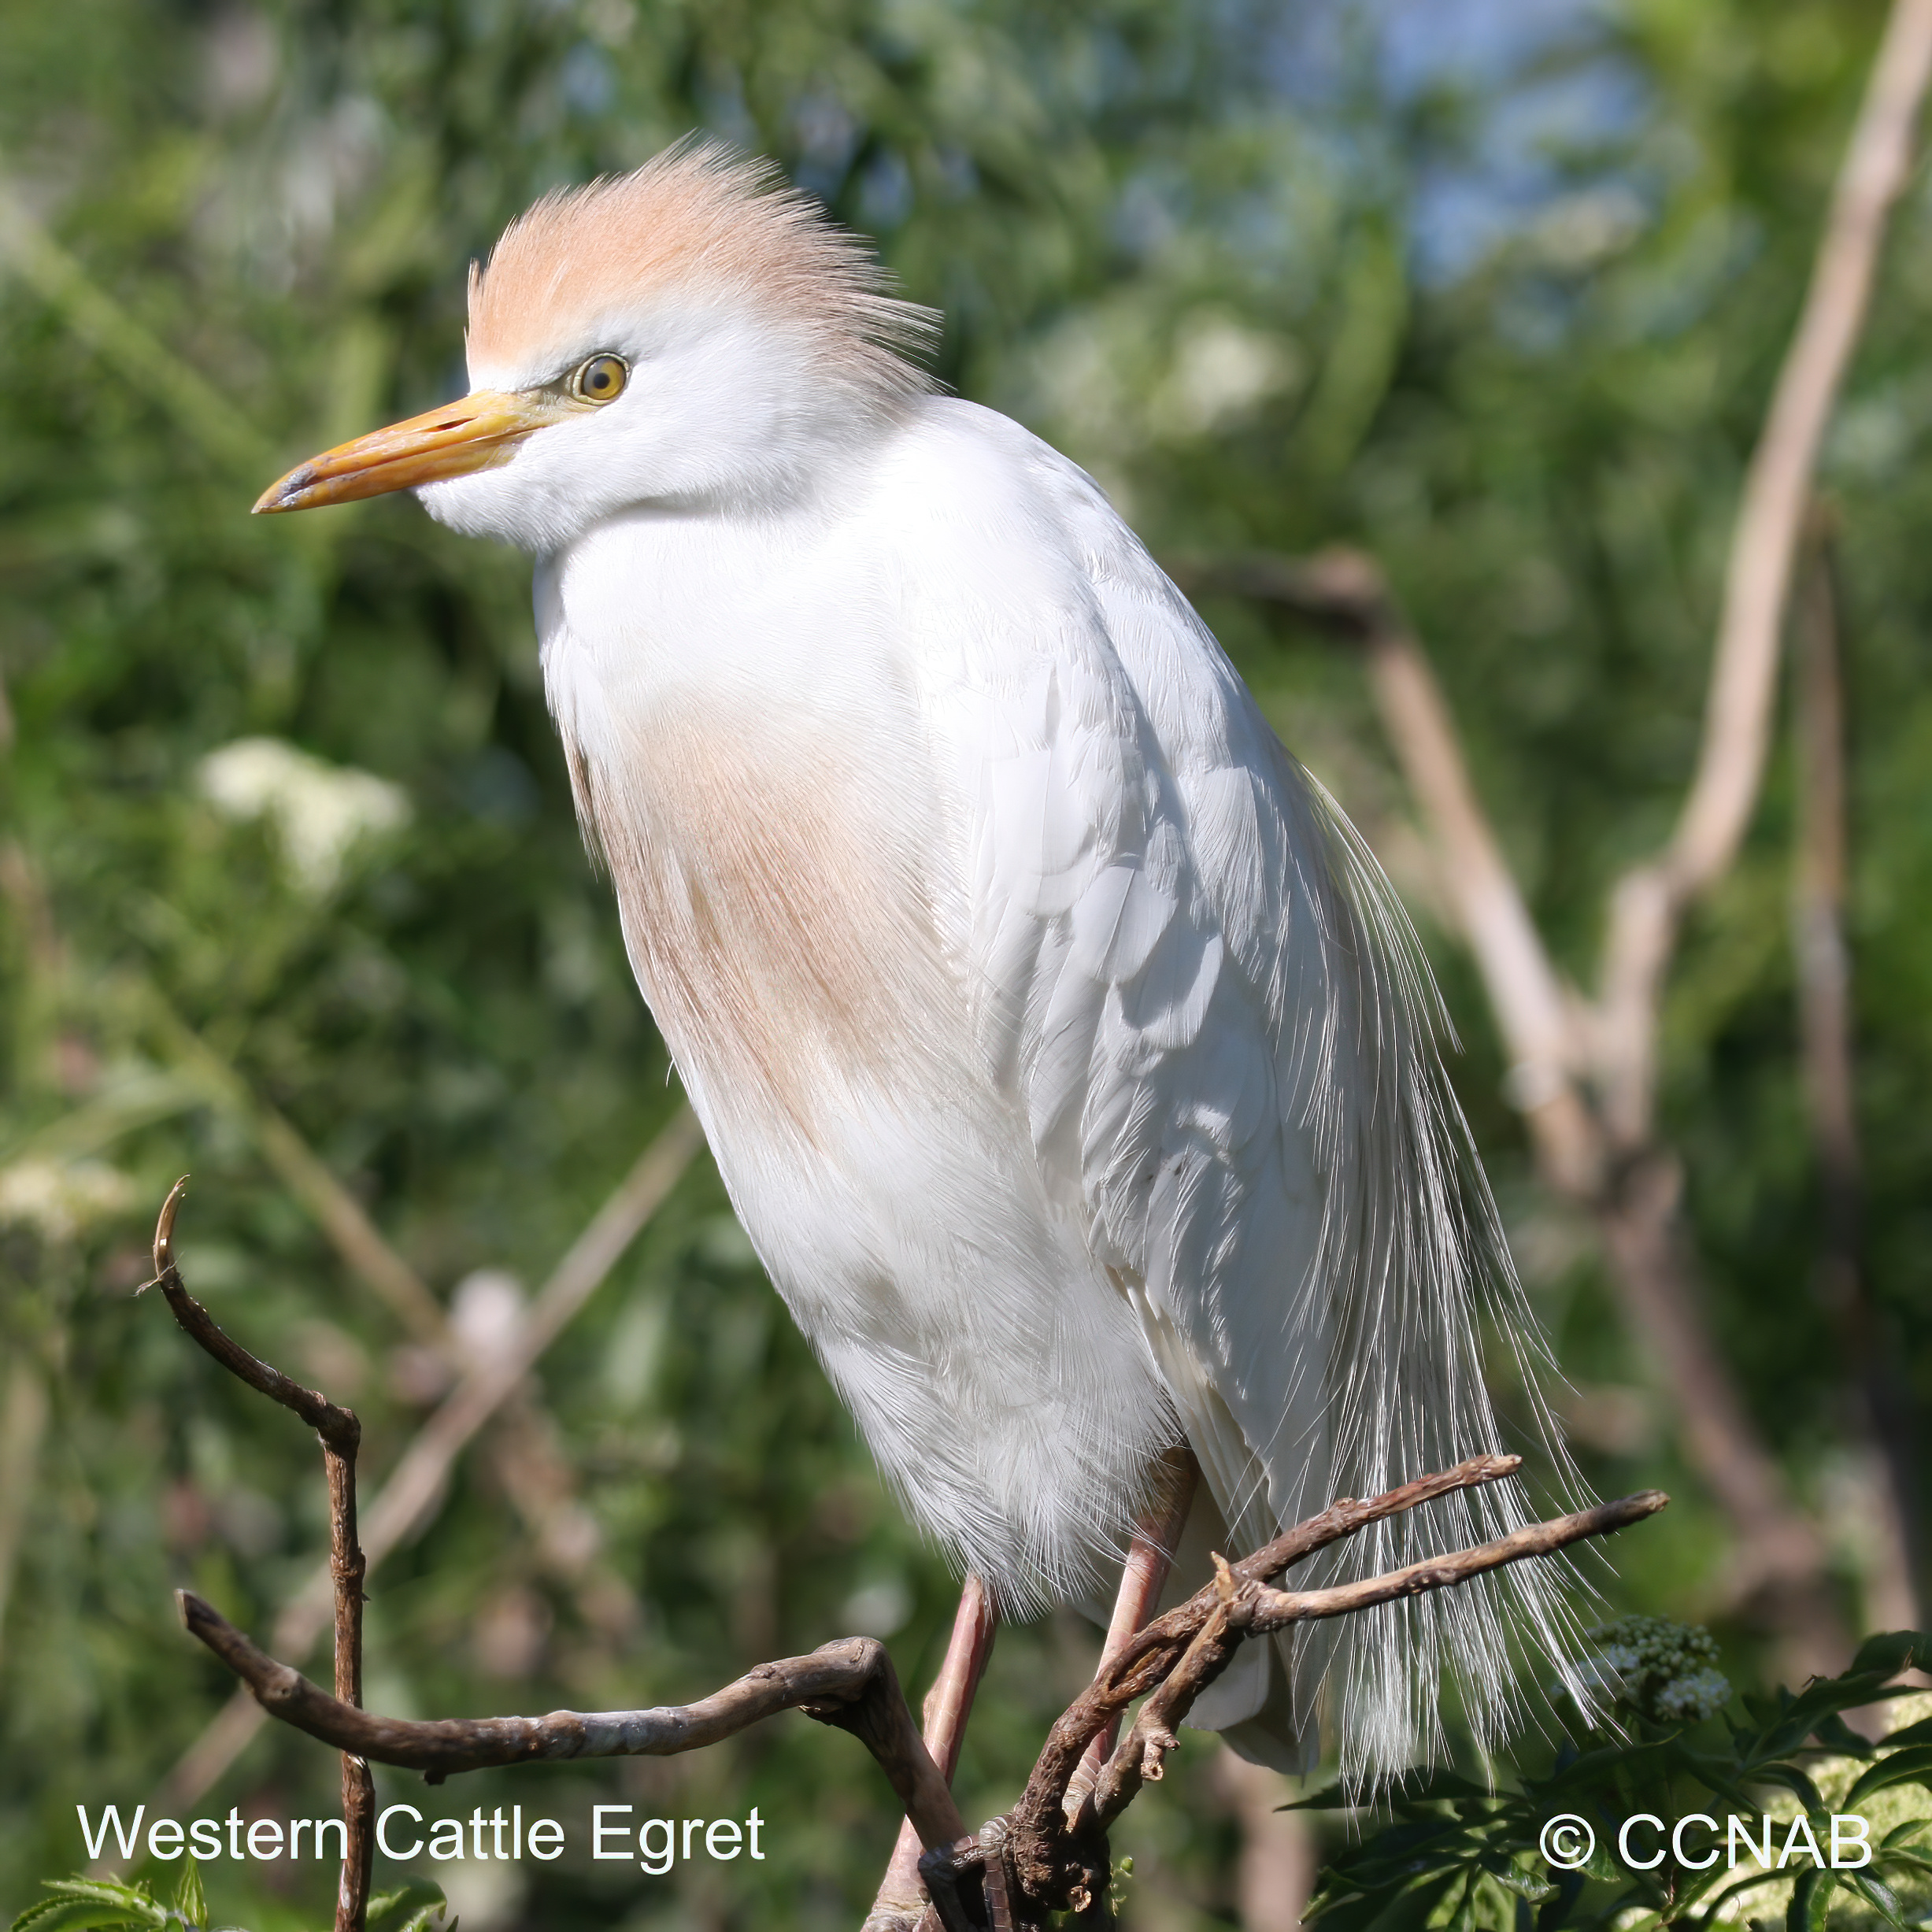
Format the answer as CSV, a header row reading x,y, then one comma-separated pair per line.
x,y
1690,1699
1661,1670
321,812
59,1199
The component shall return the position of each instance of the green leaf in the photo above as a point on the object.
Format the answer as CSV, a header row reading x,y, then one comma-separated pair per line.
x,y
1403,1907
1894,1865
67,1915
1626,1763
1794,1780
1524,1884
1786,1726
1601,1864
1751,1883
1402,1850
1412,1909
411,1908
1903,1767
82,1904
1439,1782
189,1900
1336,1798
1890,1653
1836,1735
1694,1887
1879,1896
1810,1901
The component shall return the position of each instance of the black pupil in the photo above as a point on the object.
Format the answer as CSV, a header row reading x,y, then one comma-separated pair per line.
x,y
601,378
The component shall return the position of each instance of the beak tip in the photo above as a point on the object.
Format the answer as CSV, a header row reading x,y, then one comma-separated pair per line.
x,y
285,494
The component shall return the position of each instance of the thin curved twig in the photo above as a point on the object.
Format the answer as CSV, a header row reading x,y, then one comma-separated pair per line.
x,y
1275,1609
338,1427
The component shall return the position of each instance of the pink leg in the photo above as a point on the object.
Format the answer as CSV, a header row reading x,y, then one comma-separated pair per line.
x,y
901,1895
1150,1556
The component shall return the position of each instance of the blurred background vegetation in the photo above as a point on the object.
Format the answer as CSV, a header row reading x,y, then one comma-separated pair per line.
x,y
1496,292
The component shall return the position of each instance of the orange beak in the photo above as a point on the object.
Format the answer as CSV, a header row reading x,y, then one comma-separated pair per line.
x,y
474,432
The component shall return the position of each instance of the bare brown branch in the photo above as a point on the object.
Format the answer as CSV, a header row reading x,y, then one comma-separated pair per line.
x,y
850,1684
1178,1655
1240,1606
1046,1861
1055,1865
1275,1609
342,1436
1248,1608
1139,1757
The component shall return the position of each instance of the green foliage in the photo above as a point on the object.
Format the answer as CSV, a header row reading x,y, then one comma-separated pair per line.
x,y
94,1904
1513,1859
80,1904
418,1907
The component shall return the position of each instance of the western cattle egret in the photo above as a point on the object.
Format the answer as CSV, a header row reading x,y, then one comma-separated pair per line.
x,y
1069,1062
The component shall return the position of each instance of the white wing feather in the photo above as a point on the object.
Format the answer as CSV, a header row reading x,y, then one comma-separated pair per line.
x,y
1218,1023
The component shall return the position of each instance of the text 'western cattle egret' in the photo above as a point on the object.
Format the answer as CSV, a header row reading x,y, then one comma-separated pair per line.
x,y
1069,1062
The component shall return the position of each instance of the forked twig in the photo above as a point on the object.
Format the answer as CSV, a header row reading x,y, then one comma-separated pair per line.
x,y
1061,1861
1155,1651
1245,1608
342,1436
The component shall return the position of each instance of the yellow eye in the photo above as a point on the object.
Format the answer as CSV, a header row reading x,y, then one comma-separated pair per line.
x,y
600,379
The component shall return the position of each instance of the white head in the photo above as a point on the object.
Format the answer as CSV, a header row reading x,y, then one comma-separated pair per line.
x,y
695,334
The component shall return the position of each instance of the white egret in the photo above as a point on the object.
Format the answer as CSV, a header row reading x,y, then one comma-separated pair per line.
x,y
1069,1062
